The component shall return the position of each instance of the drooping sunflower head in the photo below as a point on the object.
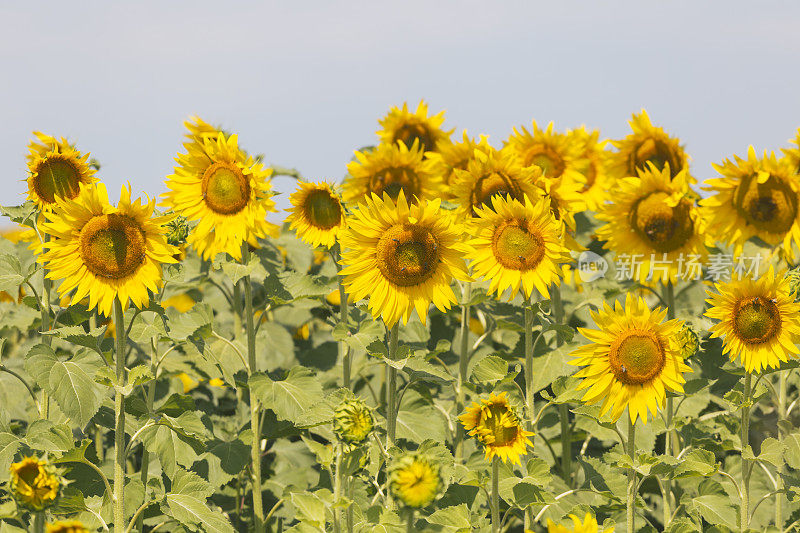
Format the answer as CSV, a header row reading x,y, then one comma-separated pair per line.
x,y
317,214
648,144
517,245
402,257
391,168
493,173
408,127
592,164
55,169
494,423
759,320
35,484
106,252
755,197
565,201
653,216
414,480
352,421
226,191
634,357
67,526
199,130
450,157
553,152
589,525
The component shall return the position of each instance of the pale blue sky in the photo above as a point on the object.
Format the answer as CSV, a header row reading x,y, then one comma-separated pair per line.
x,y
305,82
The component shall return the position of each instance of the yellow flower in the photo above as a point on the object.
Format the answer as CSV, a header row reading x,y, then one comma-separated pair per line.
x,y
400,124
450,157
634,357
592,164
646,144
494,423
402,257
652,217
226,191
553,152
352,421
188,382
414,480
199,130
589,525
334,298
754,198
34,483
493,173
106,252
792,155
55,169
303,332
181,302
316,214
759,320
517,246
391,168
66,526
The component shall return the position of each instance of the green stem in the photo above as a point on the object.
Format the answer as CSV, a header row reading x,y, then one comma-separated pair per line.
x,y
255,408
463,361
337,489
781,416
631,500
48,339
344,351
237,308
119,416
671,446
495,494
563,409
410,522
745,518
38,522
529,403
391,407
149,401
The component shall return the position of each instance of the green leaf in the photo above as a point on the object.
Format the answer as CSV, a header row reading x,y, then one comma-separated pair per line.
x,y
175,441
310,508
77,335
771,452
550,366
697,462
490,369
289,397
9,444
792,442
184,325
45,436
456,517
235,270
187,504
10,273
23,215
420,422
716,510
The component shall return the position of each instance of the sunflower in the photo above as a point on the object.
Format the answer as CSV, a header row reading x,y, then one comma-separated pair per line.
x,y
66,526
565,201
792,155
494,423
316,214
199,130
55,169
754,198
352,421
759,320
653,217
414,480
517,245
391,168
106,252
589,525
634,357
450,157
553,152
493,173
402,125
227,191
592,164
34,483
646,144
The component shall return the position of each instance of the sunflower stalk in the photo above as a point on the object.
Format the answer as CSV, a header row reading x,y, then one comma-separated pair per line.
x,y
671,445
47,284
631,499
563,409
529,404
119,417
344,351
495,494
463,361
150,396
391,407
781,416
337,488
745,509
38,522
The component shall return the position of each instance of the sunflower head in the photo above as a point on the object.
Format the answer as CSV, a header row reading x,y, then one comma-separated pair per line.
x,y
494,423
633,358
402,257
66,526
198,130
588,525
317,214
759,320
450,157
648,144
56,169
592,165
792,155
414,480
352,421
553,152
689,341
402,125
35,484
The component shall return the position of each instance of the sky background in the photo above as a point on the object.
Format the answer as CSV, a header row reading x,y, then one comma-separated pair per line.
x,y
305,82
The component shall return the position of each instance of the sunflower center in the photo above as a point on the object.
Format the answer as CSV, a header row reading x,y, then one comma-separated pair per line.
x,y
636,358
656,152
407,254
756,320
393,180
492,185
408,133
57,176
322,210
112,246
28,473
770,206
501,426
516,246
226,190
544,157
664,227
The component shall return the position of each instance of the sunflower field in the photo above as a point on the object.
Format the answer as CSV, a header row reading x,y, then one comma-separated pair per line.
x,y
552,333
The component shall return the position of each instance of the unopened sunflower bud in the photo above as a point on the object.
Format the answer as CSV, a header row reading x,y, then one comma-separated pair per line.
x,y
794,281
35,484
688,341
177,230
352,421
414,480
